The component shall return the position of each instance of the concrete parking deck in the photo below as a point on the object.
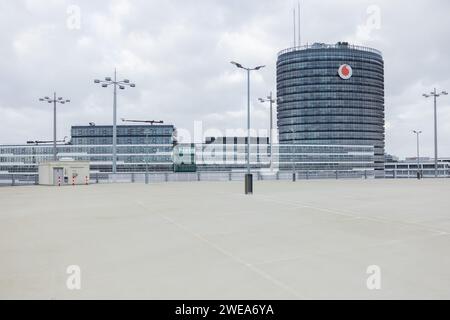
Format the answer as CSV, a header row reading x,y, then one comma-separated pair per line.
x,y
207,240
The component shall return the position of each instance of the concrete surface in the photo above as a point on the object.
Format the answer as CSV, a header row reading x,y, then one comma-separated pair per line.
x,y
207,240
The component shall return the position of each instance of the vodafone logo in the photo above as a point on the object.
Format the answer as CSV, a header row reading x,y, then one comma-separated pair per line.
x,y
345,71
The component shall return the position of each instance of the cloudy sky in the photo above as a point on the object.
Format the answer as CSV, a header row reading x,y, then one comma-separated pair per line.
x,y
178,53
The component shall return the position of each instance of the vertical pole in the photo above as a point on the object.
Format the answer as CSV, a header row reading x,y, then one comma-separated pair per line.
x,y
293,168
271,128
248,177
299,35
435,137
54,126
114,164
295,37
248,121
146,161
418,156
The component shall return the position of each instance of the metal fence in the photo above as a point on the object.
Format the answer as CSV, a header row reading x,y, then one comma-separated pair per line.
x,y
412,173
158,177
17,179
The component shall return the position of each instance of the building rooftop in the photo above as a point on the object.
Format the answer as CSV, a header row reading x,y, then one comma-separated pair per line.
x,y
207,240
339,45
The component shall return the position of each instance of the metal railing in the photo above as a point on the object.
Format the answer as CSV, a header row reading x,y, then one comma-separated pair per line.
x,y
329,46
412,173
18,179
158,177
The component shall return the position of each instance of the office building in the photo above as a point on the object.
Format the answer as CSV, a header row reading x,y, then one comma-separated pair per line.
x,y
139,148
332,95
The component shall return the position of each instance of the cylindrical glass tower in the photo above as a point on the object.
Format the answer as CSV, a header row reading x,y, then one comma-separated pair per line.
x,y
331,95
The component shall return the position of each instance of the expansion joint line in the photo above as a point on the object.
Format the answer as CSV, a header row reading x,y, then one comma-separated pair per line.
x,y
211,244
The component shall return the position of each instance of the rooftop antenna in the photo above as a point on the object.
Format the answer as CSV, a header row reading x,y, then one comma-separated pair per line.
x,y
295,37
299,35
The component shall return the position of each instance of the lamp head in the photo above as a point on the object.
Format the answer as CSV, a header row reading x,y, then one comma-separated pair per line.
x,y
237,64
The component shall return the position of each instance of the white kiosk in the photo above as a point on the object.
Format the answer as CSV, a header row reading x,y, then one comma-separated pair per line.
x,y
64,172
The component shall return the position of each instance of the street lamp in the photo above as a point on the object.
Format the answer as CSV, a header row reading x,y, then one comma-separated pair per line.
x,y
435,95
248,176
122,84
55,100
417,132
271,100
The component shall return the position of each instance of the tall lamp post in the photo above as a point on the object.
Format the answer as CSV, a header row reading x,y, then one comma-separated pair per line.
x,y
55,100
418,132
122,84
435,95
248,176
271,100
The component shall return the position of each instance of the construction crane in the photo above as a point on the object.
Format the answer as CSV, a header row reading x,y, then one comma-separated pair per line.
x,y
152,122
36,142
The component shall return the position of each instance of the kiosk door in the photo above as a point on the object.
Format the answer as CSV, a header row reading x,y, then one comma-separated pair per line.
x,y
58,176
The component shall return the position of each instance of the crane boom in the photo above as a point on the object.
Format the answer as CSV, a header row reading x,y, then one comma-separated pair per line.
x,y
43,141
143,121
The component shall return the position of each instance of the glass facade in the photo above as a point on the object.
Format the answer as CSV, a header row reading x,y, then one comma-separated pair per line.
x,y
230,154
133,134
139,147
318,106
193,157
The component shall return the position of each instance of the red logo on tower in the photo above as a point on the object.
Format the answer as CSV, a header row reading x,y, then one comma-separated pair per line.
x,y
345,71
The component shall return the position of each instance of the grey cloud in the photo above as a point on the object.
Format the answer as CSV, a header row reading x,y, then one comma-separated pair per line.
x,y
178,54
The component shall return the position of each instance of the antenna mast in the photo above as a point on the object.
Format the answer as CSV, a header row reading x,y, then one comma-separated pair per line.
x,y
299,35
295,37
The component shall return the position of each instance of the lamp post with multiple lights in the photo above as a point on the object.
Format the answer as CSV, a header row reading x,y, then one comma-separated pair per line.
x,y
248,176
435,95
55,100
418,132
122,84
271,100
